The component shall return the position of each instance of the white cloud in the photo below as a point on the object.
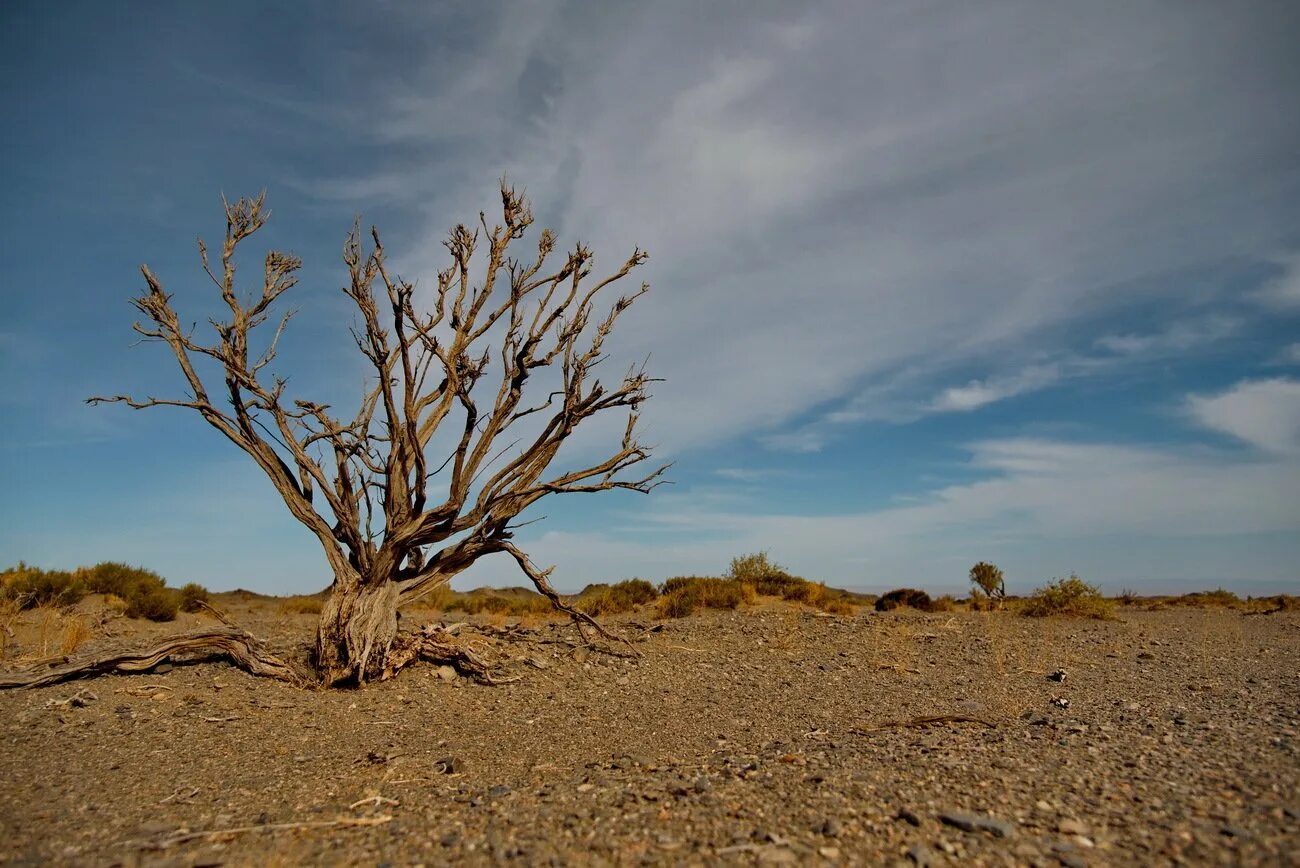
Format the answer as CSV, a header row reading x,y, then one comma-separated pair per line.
x,y
978,393
941,183
1263,413
1178,338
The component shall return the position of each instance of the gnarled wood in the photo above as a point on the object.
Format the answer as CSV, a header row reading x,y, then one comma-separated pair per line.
x,y
227,643
360,483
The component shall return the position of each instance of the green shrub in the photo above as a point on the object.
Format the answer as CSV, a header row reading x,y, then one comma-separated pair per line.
x,y
111,577
1072,597
153,602
30,587
193,596
904,597
989,579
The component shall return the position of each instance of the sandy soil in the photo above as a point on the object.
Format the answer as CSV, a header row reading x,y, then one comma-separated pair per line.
x,y
764,736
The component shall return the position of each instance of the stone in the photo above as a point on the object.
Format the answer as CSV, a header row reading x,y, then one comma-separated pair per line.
x,y
969,822
921,855
1071,827
830,827
908,817
446,673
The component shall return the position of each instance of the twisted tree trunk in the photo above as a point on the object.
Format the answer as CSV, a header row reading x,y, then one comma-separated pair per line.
x,y
357,630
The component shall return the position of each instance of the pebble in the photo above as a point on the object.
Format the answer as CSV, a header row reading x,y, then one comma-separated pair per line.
x,y
909,817
1071,827
446,673
969,822
921,855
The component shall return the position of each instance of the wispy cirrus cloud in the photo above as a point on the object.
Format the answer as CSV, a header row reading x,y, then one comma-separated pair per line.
x,y
1262,413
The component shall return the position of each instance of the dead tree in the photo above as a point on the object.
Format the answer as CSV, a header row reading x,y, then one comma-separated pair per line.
x,y
459,361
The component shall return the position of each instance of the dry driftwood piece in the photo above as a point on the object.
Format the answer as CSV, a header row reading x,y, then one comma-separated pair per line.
x,y
445,405
227,643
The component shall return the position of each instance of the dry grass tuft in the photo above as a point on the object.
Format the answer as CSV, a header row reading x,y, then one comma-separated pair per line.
x,y
302,605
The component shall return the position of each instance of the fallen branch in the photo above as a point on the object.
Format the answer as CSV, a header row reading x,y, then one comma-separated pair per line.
x,y
232,644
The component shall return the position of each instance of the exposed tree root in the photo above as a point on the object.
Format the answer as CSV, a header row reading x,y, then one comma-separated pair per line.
x,y
479,657
229,643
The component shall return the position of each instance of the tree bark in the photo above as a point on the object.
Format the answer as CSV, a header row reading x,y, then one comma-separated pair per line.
x,y
357,629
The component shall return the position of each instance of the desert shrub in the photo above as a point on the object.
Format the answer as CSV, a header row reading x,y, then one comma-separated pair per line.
x,y
838,606
946,603
144,590
1127,597
1072,597
804,591
624,596
683,595
988,579
751,568
508,601
770,579
302,605
1216,599
154,602
904,597
193,595
30,587
1275,603
111,577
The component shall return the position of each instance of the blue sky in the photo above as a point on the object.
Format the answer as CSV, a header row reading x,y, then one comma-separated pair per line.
x,y
932,283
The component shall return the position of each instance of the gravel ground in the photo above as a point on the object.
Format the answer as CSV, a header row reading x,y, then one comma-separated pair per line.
x,y
765,736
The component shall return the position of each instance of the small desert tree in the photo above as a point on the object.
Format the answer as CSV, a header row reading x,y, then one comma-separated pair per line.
x,y
363,483
988,579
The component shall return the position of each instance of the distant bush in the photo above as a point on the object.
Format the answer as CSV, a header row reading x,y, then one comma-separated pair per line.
x,y
624,596
145,592
302,605
1275,603
111,577
838,606
1072,597
904,597
1216,599
683,595
510,601
154,602
946,603
751,568
193,596
1127,597
989,580
30,587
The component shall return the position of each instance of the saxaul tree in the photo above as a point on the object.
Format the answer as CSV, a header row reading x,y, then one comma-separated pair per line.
x,y
450,365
